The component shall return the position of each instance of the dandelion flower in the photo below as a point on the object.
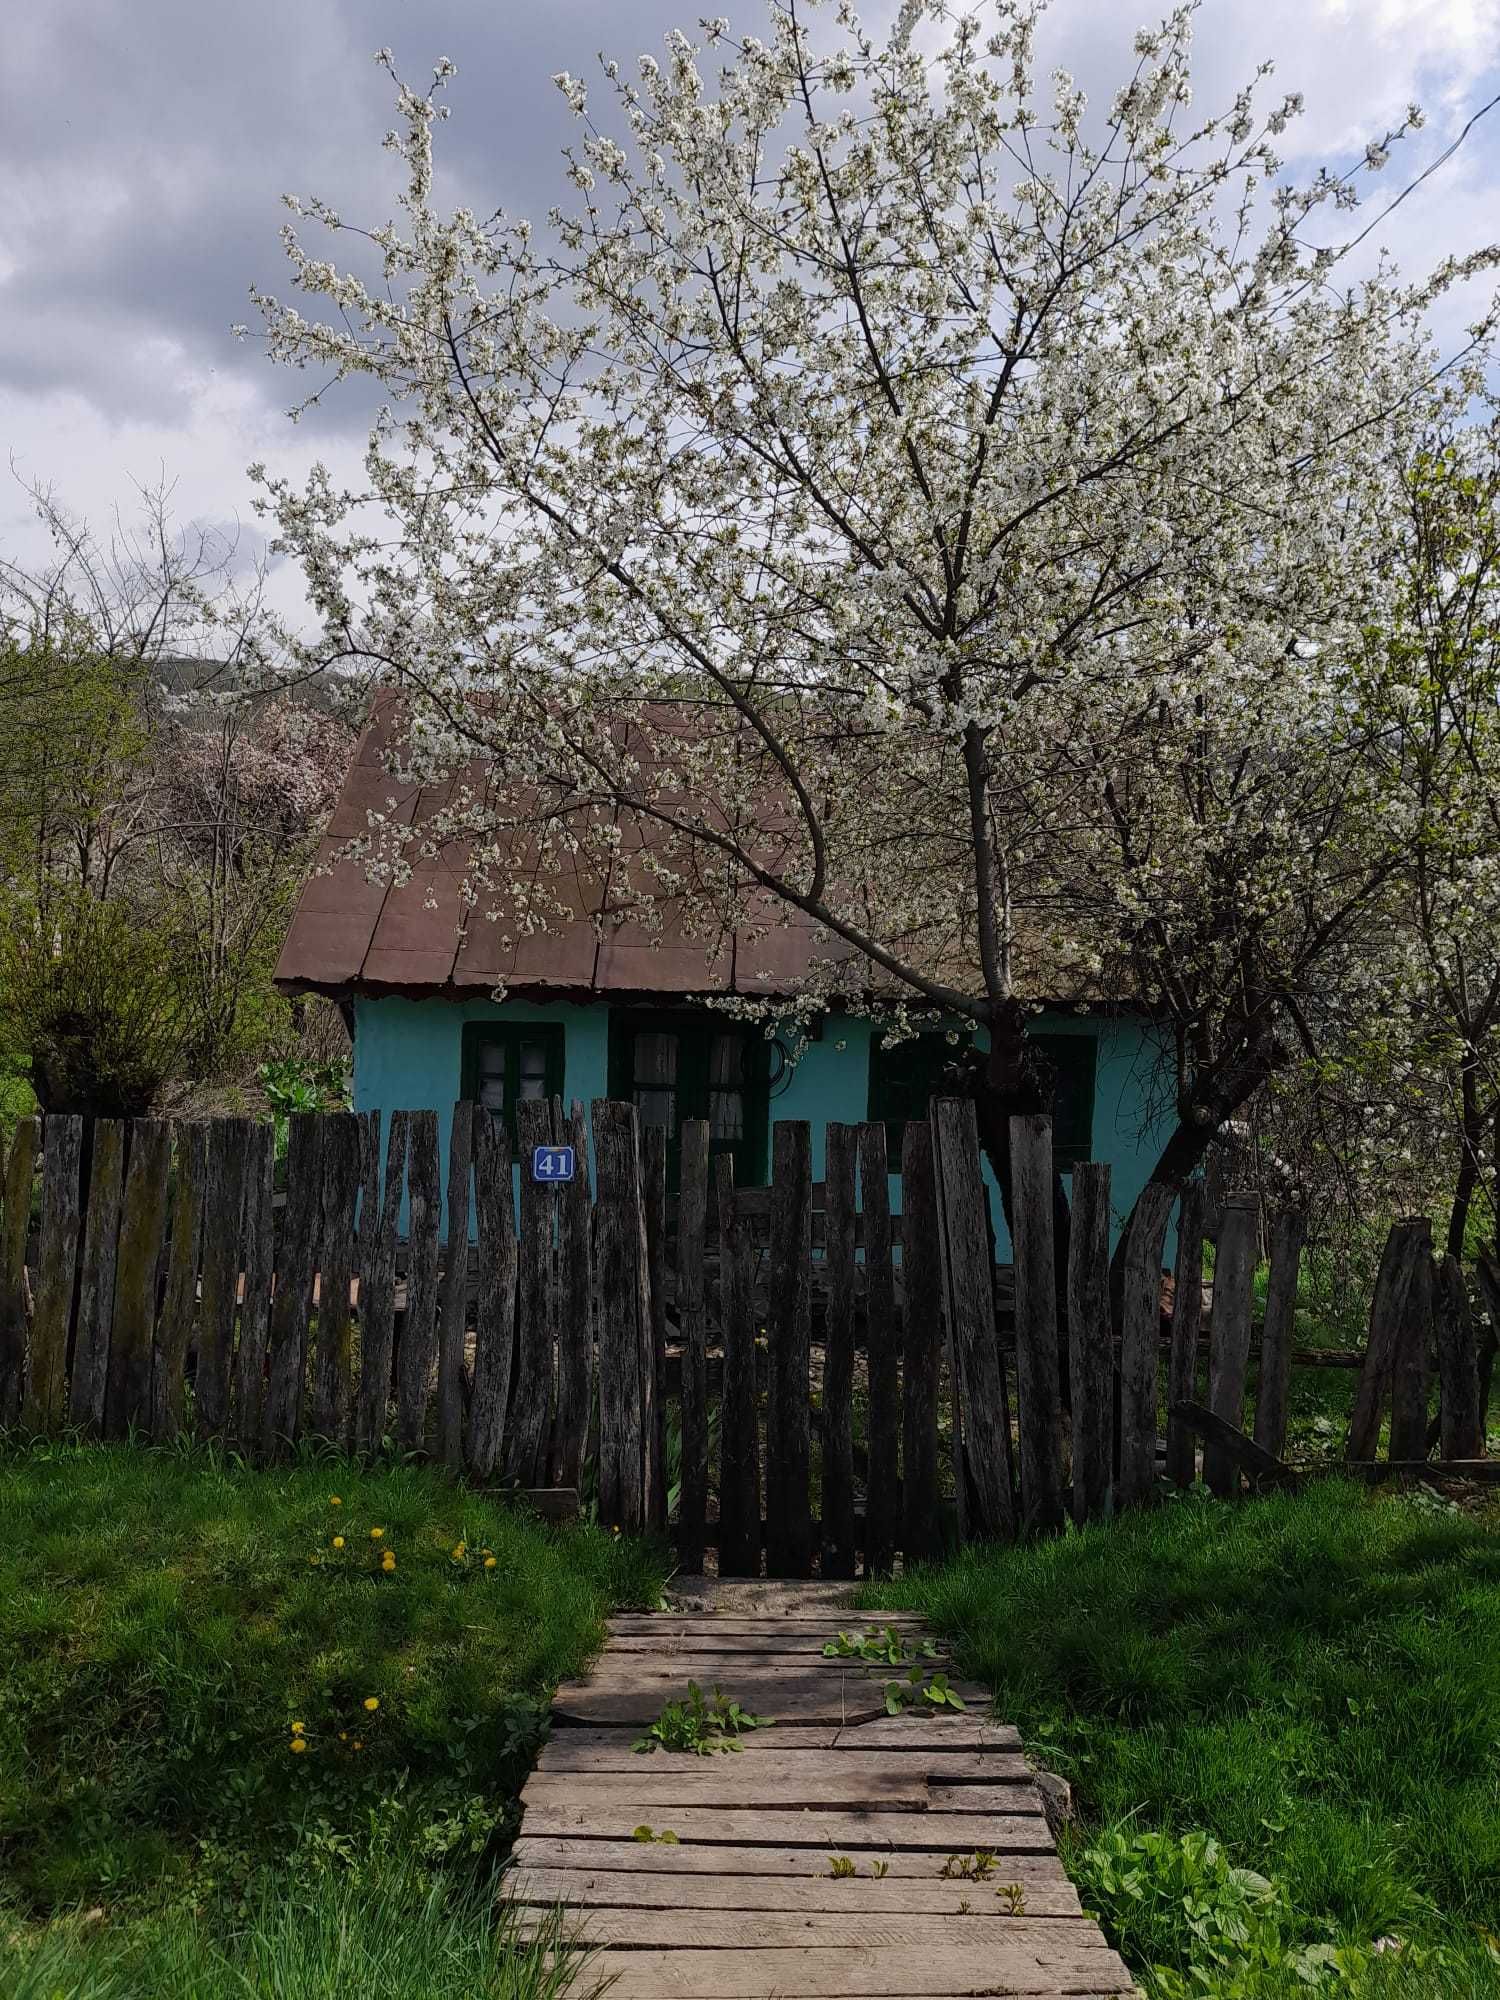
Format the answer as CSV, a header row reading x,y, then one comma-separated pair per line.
x,y
297,1745
388,1562
343,1736
489,1562
357,1744
372,1702
458,1552
334,1500
298,1728
338,1541
376,1533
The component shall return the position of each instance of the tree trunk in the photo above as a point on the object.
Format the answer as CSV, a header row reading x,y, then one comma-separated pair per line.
x,y
1471,1136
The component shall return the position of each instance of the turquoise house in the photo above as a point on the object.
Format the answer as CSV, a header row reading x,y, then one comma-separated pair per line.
x,y
593,1009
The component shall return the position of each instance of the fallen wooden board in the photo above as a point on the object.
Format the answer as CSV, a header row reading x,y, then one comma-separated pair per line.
x,y
788,1767
806,1625
901,1733
777,1931
711,1782
936,1832
586,1887
1038,1865
775,1641
974,1730
801,1697
829,1973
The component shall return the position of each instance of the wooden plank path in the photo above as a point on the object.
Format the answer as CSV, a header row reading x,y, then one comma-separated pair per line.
x,y
745,1901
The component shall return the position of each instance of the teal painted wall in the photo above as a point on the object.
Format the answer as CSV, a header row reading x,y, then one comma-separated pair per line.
x,y
407,1057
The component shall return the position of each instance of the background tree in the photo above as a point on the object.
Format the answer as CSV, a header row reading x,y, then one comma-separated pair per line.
x,y
870,431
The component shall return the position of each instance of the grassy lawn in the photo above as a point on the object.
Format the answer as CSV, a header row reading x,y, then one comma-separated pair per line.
x,y
172,1628
1313,1682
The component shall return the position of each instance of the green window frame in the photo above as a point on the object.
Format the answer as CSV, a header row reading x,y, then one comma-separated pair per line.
x,y
683,1062
505,1062
905,1077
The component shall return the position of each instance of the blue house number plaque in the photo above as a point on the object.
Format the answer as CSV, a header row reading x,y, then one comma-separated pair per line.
x,y
552,1163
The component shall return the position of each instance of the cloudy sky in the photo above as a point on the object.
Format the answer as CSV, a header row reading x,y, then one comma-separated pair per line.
x,y
144,145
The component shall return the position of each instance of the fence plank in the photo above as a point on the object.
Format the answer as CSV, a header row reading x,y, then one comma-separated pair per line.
x,y
969,1287
495,1309
143,1221
333,1360
575,1308
838,1353
179,1306
15,1296
1038,1396
1090,1346
623,1316
248,1413
1229,1341
882,1353
1393,1280
922,1345
1140,1343
788,1337
739,1414
223,1213
1187,1326
1410,1365
1461,1420
1288,1232
96,1296
379,1229
654,1202
292,1306
424,1221
455,1290
692,1224
45,1400
527,1434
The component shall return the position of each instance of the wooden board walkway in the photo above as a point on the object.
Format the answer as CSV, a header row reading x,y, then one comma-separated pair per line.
x,y
745,1902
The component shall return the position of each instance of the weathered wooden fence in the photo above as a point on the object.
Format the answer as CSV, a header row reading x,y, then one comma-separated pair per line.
x,y
806,1370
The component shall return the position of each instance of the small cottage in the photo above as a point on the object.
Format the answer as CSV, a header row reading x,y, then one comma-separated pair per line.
x,y
596,1009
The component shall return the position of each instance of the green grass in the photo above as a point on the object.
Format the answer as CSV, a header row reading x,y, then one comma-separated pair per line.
x,y
1312,1680
165,1618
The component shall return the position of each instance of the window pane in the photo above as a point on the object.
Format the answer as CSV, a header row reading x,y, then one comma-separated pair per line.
x,y
726,1063
657,1107
492,1077
656,1059
726,1117
532,1082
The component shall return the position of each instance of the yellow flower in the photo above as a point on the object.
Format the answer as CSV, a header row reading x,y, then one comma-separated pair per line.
x,y
338,1541
458,1553
297,1745
486,1552
387,1562
334,1500
489,1562
372,1702
357,1744
297,1729
376,1533
343,1736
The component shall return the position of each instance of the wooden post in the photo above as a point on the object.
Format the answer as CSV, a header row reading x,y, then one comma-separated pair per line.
x,y
654,1204
334,1369
1460,1416
838,1352
379,1229
575,1304
143,1221
1410,1366
174,1328
1187,1325
739,1411
96,1297
922,1344
455,1292
223,1212
295,1263
882,1353
969,1289
1288,1232
15,1293
1488,1272
45,1401
624,1317
424,1221
692,1227
527,1437
1140,1340
495,1313
788,1336
1039,1412
248,1416
1229,1340
1091,1372
1404,1246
